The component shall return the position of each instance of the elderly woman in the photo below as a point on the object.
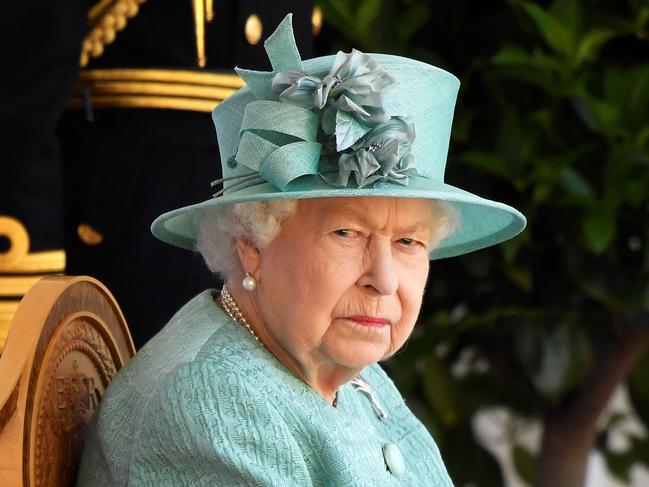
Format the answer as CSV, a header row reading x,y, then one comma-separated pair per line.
x,y
329,213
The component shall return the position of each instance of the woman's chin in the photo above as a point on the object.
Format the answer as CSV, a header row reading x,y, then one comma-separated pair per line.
x,y
356,353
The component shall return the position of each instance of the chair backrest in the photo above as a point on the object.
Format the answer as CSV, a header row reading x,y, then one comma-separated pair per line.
x,y
67,340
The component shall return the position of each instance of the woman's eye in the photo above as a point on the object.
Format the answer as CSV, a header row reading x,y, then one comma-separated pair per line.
x,y
410,242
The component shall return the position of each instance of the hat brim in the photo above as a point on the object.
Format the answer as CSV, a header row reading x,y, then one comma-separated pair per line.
x,y
482,222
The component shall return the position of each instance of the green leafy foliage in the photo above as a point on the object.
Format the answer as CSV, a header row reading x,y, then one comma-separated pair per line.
x,y
525,463
553,118
638,390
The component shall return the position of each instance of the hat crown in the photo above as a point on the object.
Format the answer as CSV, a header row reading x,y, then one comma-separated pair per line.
x,y
390,129
425,95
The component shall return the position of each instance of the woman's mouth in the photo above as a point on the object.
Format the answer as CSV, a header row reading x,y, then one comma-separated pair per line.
x,y
369,321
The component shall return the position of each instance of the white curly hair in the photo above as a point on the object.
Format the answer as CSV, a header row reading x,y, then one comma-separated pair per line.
x,y
219,229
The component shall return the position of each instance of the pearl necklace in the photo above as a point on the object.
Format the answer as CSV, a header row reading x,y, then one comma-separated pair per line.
x,y
233,311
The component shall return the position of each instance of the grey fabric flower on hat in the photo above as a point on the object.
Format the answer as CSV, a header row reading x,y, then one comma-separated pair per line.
x,y
354,84
300,89
357,84
384,154
359,136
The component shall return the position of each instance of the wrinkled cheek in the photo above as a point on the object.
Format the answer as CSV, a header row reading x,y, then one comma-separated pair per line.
x,y
399,335
414,296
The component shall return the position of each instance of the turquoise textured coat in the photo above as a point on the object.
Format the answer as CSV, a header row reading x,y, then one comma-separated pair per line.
x,y
203,403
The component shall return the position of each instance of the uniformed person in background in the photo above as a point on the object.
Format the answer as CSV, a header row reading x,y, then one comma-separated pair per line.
x,y
91,156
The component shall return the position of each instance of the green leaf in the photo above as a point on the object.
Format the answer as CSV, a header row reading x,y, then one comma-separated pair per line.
x,y
440,390
638,390
599,229
636,191
512,55
629,89
620,466
512,248
462,123
338,13
366,15
605,112
583,111
486,161
348,130
642,18
551,29
639,451
643,136
412,20
525,464
596,287
541,193
521,277
614,419
591,43
573,183
469,463
569,13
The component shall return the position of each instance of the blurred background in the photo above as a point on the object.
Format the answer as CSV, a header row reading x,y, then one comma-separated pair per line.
x,y
530,363
531,357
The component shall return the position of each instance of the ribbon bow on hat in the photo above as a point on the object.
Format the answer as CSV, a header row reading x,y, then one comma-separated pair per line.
x,y
332,126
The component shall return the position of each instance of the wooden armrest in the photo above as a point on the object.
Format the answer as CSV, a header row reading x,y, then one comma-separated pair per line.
x,y
67,340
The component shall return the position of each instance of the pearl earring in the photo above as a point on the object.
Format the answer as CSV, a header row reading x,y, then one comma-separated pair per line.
x,y
249,282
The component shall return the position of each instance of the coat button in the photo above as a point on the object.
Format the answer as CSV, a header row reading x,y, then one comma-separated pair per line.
x,y
89,235
393,459
253,29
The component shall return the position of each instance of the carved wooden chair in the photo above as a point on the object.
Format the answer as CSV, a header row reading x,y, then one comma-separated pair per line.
x,y
67,340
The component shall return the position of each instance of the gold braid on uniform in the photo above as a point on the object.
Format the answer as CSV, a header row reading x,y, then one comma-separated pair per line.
x,y
171,89
105,19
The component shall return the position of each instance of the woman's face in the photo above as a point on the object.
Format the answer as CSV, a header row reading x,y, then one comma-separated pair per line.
x,y
342,283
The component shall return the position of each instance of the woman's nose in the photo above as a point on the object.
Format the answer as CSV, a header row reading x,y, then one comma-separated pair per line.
x,y
380,271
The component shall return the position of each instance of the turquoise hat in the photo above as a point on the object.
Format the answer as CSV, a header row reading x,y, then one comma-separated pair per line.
x,y
341,126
